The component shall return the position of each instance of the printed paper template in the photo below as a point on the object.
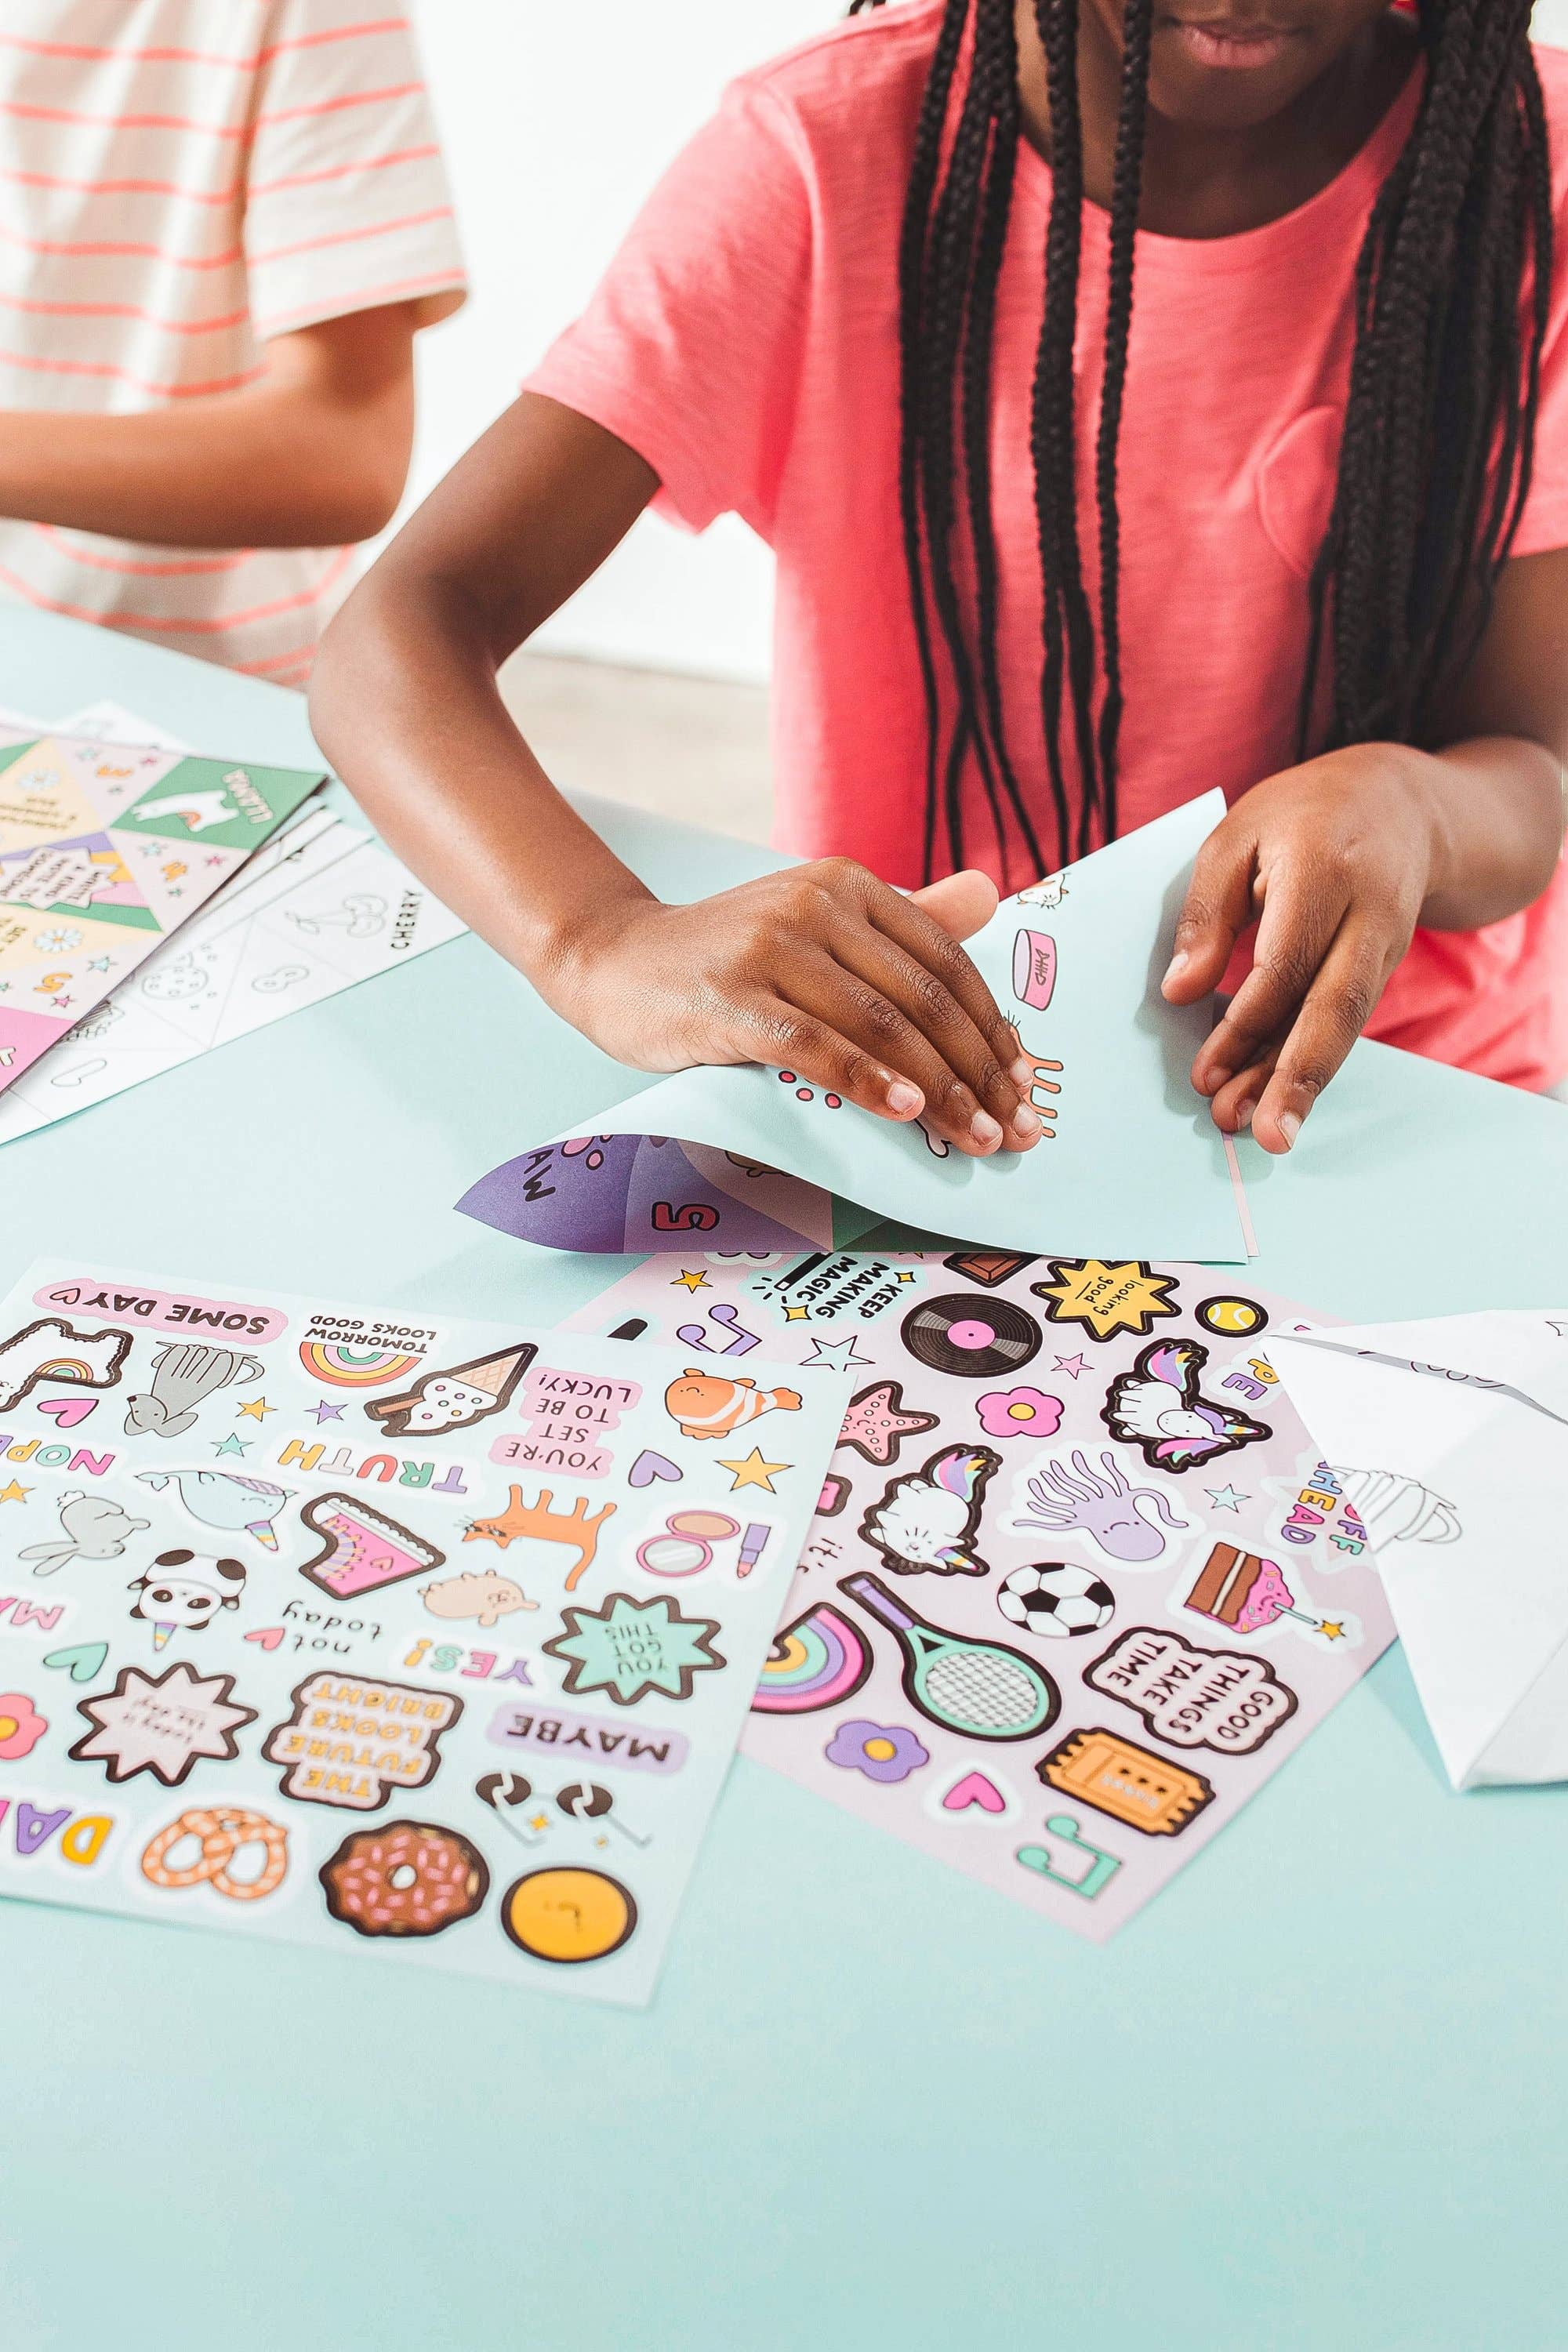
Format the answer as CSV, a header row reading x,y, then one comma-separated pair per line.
x,y
1129,1160
381,1631
1079,1580
106,849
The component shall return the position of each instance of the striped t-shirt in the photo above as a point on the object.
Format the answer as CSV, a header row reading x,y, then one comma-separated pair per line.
x,y
179,180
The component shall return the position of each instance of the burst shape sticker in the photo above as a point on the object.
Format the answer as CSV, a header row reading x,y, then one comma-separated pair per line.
x,y
630,1648
1104,1296
163,1724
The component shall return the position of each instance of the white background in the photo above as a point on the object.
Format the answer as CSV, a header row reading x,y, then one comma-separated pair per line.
x,y
557,116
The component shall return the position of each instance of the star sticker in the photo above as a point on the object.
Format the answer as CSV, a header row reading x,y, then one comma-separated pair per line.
x,y
321,1410
232,1445
257,1410
214,858
539,1821
877,1425
160,1724
906,1274
1071,1366
837,1352
797,1313
97,963
753,1472
62,1001
1225,1498
1332,1628
693,1281
13,1493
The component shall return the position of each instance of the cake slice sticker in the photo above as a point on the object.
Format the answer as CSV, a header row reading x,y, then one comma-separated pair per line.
x,y
456,1398
1243,1590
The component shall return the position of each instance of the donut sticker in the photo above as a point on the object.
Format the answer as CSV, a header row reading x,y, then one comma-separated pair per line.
x,y
350,1740
404,1878
815,1662
970,1337
332,1365
568,1917
241,1856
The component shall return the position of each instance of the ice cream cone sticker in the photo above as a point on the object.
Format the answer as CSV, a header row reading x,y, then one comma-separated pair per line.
x,y
453,1398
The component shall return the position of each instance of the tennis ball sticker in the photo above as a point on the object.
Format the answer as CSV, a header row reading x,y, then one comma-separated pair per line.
x,y
569,1915
1230,1318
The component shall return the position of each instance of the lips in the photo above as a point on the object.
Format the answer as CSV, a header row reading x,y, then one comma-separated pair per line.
x,y
1228,44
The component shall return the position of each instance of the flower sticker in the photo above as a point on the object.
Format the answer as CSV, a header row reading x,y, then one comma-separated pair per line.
x,y
21,1726
883,1751
1019,1412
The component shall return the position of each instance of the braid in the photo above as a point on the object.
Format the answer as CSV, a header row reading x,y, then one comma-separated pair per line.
x,y
1439,427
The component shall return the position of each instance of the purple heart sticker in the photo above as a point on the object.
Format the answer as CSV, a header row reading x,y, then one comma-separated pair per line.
x,y
650,1466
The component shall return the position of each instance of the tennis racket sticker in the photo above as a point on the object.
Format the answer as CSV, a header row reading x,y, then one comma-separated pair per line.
x,y
982,1690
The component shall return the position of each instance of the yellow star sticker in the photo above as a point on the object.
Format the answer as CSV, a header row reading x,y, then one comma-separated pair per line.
x,y
693,1281
254,1410
1332,1629
539,1821
906,1275
753,1472
797,1313
13,1493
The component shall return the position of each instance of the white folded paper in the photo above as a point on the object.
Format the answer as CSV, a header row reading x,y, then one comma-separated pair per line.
x,y
1450,1437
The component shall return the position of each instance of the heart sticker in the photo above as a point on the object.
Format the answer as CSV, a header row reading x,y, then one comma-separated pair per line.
x,y
269,1638
650,1466
975,1789
80,1664
66,1412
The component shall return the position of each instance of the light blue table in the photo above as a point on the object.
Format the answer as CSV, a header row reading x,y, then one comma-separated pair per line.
x,y
1314,2098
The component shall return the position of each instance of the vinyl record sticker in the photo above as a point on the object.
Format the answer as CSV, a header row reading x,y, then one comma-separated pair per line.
x,y
974,1338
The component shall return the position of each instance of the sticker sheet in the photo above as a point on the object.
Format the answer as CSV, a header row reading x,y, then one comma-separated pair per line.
x,y
104,850
381,1633
1079,1580
747,1158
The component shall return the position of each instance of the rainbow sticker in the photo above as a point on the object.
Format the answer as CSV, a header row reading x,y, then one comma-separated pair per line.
x,y
354,1368
814,1663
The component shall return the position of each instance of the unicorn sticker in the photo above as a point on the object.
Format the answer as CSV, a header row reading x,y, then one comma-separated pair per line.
x,y
929,1520
1156,1406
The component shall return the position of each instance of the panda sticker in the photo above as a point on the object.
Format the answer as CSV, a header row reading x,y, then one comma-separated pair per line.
x,y
171,1601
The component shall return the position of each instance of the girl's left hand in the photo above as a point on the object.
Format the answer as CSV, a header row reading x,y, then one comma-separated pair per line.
x,y
1333,861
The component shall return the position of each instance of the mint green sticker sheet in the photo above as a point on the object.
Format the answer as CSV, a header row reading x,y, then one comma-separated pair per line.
x,y
1131,1164
399,1635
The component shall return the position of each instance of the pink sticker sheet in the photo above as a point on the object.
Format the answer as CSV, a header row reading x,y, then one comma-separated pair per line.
x,y
1079,1580
105,849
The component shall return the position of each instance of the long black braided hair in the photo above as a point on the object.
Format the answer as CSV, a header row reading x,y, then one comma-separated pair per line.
x,y
1439,427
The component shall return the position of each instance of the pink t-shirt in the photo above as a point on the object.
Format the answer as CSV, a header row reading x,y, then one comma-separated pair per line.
x,y
744,341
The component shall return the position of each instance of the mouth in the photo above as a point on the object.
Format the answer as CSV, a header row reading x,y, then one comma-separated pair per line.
x,y
1221,42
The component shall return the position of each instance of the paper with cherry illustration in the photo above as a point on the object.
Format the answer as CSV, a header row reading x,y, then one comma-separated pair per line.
x,y
1079,1580
384,1631
105,849
752,1157
1457,1432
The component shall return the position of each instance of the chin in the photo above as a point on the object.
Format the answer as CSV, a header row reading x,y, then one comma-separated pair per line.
x,y
1184,88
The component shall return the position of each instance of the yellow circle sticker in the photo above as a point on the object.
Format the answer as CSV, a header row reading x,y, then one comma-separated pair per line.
x,y
569,1915
1234,1318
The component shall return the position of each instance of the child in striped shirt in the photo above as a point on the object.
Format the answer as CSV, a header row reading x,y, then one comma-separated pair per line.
x,y
222,222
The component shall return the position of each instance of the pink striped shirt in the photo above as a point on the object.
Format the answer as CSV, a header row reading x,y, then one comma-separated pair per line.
x,y
181,179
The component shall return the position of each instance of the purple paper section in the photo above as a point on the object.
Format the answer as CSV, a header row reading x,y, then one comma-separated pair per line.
x,y
639,1193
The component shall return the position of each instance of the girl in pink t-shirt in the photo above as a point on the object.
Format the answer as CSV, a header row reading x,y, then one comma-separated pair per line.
x,y
1138,395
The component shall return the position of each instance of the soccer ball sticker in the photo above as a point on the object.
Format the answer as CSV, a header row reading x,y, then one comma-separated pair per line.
x,y
1057,1601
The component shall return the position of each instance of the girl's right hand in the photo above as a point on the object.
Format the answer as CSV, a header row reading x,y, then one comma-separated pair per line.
x,y
821,970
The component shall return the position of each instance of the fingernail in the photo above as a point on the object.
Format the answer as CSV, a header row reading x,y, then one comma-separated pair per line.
x,y
904,1100
1022,1073
1289,1127
984,1130
1243,1114
1026,1123
1176,966
1212,1080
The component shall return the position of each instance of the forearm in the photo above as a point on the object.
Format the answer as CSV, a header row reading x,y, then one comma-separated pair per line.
x,y
405,703
312,454
1494,804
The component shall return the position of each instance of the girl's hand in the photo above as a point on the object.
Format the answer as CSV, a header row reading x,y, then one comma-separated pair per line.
x,y
821,970
1334,860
